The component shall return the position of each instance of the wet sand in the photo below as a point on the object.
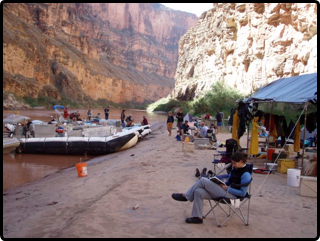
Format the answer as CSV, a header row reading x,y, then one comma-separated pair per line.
x,y
63,205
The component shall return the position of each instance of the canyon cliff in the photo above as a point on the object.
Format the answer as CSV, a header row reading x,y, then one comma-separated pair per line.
x,y
120,52
246,45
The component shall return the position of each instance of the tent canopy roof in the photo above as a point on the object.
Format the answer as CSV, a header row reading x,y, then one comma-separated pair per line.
x,y
297,89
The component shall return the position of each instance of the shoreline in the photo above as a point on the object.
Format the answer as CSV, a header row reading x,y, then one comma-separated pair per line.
x,y
63,205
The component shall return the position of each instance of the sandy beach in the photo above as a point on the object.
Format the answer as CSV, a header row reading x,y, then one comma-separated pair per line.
x,y
63,205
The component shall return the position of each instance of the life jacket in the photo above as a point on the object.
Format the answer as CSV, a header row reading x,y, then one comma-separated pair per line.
x,y
236,174
60,130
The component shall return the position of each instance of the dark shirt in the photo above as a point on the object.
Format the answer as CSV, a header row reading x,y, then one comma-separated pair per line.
x,y
123,116
145,121
106,113
170,119
28,125
180,117
219,117
185,127
128,119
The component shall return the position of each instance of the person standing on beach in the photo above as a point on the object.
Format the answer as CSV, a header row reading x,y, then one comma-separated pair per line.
x,y
205,189
179,116
89,114
122,117
106,112
170,121
219,121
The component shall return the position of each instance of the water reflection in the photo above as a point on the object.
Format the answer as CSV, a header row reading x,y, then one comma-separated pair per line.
x,y
44,115
22,168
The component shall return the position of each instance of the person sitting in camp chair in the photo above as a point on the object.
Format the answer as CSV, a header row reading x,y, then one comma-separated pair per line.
x,y
204,188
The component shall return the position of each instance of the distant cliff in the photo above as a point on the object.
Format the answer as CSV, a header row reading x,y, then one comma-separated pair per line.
x,y
247,45
121,52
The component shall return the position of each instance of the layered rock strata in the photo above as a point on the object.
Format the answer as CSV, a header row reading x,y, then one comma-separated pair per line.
x,y
121,52
246,45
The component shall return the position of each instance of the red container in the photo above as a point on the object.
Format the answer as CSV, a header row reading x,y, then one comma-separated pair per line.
x,y
270,151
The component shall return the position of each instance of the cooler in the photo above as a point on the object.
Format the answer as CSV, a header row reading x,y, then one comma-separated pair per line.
x,y
284,164
187,147
308,186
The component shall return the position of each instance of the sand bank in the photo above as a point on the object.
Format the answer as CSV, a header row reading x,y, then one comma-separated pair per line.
x,y
63,205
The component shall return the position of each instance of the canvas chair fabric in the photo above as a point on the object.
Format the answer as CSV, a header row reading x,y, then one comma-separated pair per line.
x,y
231,147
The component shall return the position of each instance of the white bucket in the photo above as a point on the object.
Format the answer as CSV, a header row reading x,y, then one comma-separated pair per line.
x,y
293,177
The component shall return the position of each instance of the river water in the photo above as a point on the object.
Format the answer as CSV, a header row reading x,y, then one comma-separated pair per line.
x,y
22,168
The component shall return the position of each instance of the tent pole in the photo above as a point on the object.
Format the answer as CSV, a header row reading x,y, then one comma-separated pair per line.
x,y
248,137
304,134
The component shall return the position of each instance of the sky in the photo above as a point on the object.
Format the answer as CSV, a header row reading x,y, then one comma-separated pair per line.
x,y
196,8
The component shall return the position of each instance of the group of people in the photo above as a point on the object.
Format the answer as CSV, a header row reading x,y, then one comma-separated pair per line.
x,y
129,121
170,121
201,130
74,116
106,114
126,121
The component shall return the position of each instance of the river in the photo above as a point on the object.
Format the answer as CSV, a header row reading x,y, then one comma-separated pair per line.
x,y
22,168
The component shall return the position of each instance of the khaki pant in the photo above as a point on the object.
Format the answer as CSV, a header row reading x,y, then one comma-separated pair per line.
x,y
169,126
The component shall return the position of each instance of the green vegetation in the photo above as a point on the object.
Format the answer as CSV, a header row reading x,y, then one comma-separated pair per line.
x,y
48,102
220,97
166,104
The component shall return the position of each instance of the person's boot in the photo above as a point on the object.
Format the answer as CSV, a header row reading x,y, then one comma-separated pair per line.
x,y
204,172
197,174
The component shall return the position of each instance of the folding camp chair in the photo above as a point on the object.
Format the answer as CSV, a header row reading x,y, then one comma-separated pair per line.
x,y
234,205
231,147
222,169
